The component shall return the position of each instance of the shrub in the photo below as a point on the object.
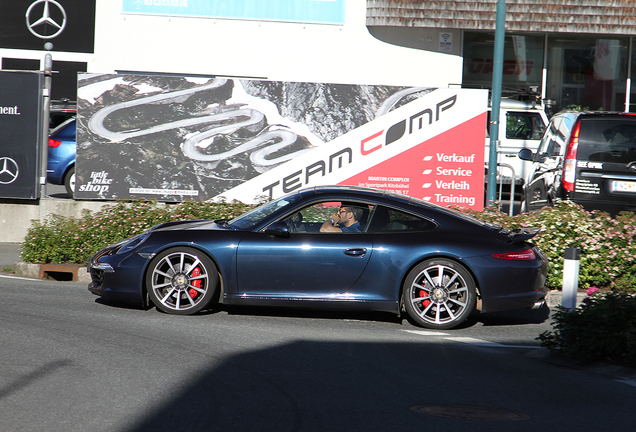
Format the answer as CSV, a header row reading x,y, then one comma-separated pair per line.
x,y
602,329
74,240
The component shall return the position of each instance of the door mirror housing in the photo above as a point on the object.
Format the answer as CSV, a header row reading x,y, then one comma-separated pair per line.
x,y
526,154
277,229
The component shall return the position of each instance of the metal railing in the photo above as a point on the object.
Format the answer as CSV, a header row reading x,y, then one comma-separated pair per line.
x,y
513,182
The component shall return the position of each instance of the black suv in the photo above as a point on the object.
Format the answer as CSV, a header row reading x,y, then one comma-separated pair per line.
x,y
586,157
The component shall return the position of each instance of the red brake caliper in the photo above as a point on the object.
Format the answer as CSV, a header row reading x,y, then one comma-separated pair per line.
x,y
197,283
425,302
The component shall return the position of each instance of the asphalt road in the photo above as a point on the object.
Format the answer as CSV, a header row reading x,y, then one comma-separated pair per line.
x,y
56,191
70,362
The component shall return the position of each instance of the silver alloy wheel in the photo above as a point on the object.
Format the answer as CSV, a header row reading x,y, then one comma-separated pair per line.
x,y
69,182
72,182
179,282
439,296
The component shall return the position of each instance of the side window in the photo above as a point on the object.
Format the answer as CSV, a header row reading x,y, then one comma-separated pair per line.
x,y
386,219
553,141
522,125
345,215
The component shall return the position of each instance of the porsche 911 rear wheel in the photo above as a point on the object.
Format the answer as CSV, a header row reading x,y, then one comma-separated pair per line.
x,y
181,281
439,294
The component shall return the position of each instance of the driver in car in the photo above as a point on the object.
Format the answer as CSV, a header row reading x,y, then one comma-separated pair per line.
x,y
345,220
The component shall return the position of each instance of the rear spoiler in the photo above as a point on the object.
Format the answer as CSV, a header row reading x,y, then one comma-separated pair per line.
x,y
515,235
523,234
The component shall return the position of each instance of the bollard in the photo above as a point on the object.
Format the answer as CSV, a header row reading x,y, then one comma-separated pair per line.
x,y
570,277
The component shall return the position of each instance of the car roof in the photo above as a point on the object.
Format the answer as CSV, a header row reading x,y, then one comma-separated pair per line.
x,y
378,195
508,103
597,114
369,193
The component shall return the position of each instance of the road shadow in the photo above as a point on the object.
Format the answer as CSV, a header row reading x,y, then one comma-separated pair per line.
x,y
292,312
359,386
514,317
508,318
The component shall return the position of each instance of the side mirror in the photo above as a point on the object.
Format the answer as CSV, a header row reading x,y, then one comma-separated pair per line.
x,y
526,154
277,229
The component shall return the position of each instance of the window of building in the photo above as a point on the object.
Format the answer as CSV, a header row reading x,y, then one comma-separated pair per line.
x,y
587,72
523,60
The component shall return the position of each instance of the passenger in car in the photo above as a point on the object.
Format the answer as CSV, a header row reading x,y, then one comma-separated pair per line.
x,y
345,220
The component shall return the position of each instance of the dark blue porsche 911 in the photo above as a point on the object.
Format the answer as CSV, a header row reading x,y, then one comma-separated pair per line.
x,y
326,248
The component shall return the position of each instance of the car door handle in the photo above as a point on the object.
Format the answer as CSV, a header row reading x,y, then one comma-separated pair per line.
x,y
357,252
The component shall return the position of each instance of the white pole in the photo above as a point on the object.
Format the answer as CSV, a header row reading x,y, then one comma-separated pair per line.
x,y
46,108
570,287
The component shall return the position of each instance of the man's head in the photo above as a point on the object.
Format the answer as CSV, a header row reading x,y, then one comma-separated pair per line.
x,y
348,215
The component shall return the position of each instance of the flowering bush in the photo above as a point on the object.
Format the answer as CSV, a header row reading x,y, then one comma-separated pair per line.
x,y
70,240
607,245
602,329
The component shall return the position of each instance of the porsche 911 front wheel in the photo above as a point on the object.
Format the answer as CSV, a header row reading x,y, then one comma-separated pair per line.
x,y
181,281
439,294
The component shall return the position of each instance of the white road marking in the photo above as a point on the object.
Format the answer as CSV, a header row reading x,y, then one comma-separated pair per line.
x,y
479,342
425,333
627,381
468,340
18,277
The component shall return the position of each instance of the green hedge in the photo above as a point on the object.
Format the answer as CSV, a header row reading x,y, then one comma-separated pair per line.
x,y
602,329
74,240
607,244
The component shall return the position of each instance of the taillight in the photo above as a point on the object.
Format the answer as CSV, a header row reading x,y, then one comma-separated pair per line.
x,y
569,166
527,254
54,143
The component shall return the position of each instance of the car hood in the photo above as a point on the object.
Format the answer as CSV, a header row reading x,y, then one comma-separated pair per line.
x,y
192,225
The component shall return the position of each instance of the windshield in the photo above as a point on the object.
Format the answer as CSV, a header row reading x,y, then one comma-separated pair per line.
x,y
253,217
608,140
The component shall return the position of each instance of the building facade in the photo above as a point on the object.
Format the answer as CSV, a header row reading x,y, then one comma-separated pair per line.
x,y
577,53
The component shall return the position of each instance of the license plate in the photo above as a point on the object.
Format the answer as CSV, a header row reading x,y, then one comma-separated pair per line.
x,y
623,186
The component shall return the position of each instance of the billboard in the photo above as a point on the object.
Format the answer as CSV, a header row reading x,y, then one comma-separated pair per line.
x,y
305,11
20,19
21,133
176,138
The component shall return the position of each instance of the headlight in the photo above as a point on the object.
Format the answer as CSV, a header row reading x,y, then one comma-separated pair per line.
x,y
133,242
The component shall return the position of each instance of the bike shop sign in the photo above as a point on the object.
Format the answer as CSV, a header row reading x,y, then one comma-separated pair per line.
x,y
190,138
20,123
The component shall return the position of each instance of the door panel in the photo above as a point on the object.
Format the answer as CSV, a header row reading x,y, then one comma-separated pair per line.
x,y
302,264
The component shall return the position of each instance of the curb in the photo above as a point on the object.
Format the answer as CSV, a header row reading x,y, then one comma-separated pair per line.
x,y
58,272
554,298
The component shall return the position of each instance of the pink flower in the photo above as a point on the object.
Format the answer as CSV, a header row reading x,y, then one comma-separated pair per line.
x,y
591,290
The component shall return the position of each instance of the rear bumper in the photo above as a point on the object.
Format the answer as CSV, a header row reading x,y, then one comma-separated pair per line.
x,y
522,287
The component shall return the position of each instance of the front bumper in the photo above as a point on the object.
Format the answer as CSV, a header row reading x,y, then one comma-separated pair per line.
x,y
117,277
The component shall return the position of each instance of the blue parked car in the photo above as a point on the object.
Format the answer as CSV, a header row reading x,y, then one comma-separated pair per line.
x,y
61,164
398,254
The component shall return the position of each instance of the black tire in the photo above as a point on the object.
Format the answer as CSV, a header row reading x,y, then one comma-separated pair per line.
x,y
439,294
175,286
69,182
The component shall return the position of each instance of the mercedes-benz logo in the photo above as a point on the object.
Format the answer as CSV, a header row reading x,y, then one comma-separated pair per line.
x,y
45,19
8,170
